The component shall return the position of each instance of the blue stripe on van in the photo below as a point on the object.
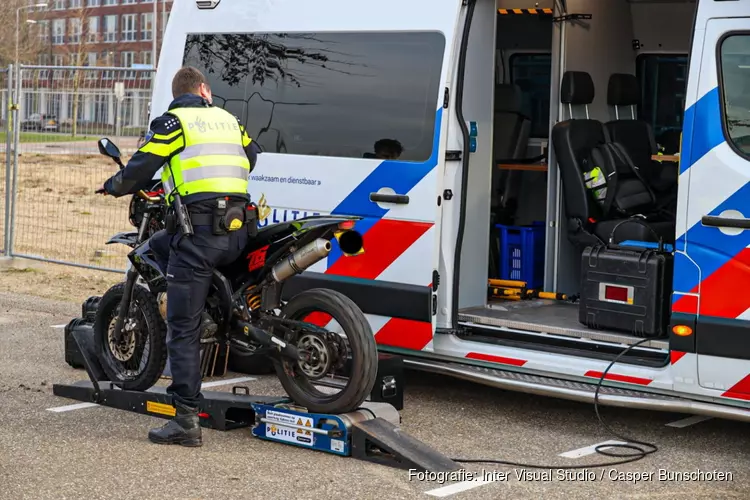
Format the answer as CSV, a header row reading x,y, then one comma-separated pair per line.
x,y
709,247
702,130
401,176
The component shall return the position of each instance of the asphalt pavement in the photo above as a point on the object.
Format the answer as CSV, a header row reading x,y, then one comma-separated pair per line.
x,y
49,449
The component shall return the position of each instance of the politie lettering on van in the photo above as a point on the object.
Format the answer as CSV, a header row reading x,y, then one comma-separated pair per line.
x,y
541,184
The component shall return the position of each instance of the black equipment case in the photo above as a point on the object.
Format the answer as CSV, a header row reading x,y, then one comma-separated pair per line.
x,y
626,288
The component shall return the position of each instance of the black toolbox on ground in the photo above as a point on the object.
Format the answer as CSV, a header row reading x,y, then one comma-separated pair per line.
x,y
627,289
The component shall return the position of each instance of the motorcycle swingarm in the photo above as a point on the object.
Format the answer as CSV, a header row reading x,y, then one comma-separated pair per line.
x,y
267,340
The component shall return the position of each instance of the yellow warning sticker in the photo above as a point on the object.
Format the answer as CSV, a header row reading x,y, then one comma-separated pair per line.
x,y
160,408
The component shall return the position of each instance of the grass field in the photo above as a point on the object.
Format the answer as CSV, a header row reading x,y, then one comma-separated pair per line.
x,y
37,137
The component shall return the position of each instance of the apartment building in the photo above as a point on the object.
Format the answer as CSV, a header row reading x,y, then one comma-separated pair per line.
x,y
96,34
100,32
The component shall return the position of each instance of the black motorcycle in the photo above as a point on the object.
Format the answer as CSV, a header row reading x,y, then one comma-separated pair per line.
x,y
318,338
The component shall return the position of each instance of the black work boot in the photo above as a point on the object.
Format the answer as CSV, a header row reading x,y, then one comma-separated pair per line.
x,y
184,429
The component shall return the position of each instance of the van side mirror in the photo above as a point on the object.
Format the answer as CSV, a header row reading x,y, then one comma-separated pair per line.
x,y
108,148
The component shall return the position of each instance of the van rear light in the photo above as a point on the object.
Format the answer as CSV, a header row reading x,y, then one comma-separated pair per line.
x,y
610,292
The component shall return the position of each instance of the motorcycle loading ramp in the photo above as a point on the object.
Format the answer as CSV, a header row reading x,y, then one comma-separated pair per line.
x,y
370,433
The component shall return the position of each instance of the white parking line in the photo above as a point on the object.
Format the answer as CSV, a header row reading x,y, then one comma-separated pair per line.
x,y
215,383
78,406
685,422
58,326
588,450
452,489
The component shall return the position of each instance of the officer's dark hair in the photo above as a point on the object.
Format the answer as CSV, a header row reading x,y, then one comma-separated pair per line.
x,y
187,81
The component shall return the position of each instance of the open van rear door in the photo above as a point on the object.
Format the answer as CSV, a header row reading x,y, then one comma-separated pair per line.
x,y
346,100
713,274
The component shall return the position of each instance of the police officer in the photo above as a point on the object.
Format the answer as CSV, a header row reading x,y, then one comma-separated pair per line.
x,y
207,157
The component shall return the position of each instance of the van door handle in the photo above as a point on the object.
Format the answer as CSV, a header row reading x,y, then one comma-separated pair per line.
x,y
713,221
401,199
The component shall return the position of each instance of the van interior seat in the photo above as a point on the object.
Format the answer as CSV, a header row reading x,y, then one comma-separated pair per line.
x,y
511,129
637,136
573,141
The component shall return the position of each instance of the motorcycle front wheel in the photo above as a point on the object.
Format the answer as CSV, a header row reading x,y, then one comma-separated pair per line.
x,y
137,360
338,334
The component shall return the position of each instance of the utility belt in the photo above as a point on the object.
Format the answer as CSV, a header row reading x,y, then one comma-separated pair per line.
x,y
226,216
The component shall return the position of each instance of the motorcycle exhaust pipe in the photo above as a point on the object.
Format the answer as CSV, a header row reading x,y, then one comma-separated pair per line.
x,y
301,259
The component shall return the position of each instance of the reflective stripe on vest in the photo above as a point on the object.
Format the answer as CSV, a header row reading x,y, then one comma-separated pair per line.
x,y
217,148
213,159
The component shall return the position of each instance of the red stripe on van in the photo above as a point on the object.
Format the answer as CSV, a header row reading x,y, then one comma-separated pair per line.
x,y
619,378
496,359
318,318
740,390
675,356
385,242
405,333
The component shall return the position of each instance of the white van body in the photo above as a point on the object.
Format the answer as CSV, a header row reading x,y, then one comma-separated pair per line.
x,y
319,83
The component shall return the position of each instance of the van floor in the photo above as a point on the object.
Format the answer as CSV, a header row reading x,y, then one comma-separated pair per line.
x,y
547,317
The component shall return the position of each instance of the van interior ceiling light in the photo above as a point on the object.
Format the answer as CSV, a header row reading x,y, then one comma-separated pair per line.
x,y
207,4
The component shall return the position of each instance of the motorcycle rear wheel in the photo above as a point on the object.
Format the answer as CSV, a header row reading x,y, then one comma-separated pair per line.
x,y
150,333
364,355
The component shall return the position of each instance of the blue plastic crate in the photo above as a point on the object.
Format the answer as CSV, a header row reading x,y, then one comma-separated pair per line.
x,y
522,253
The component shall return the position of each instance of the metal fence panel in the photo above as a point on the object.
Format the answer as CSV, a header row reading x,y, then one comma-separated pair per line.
x,y
5,137
63,111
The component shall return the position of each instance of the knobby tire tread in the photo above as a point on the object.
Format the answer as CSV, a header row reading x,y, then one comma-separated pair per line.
x,y
362,343
157,336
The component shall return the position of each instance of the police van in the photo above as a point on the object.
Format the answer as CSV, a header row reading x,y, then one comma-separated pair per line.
x,y
468,135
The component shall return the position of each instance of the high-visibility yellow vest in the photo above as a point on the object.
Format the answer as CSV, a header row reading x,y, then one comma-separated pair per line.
x,y
213,160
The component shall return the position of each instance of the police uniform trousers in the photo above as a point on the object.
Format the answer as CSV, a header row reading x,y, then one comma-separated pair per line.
x,y
189,262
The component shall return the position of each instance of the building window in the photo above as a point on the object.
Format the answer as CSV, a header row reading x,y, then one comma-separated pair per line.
x,y
109,2
75,30
533,74
663,82
58,60
734,67
43,31
147,26
58,31
91,63
127,59
93,34
93,3
309,89
75,4
58,5
110,28
128,2
128,31
146,60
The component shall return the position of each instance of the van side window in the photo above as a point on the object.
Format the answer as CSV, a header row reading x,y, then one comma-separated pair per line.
x,y
734,71
663,79
533,73
352,95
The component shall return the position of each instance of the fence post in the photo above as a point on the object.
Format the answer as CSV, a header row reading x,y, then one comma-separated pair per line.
x,y
8,131
16,140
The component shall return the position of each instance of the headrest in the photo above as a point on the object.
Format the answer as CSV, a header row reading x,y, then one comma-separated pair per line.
x,y
577,88
623,90
508,98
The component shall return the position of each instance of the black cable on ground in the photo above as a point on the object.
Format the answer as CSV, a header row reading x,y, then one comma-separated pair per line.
x,y
629,443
